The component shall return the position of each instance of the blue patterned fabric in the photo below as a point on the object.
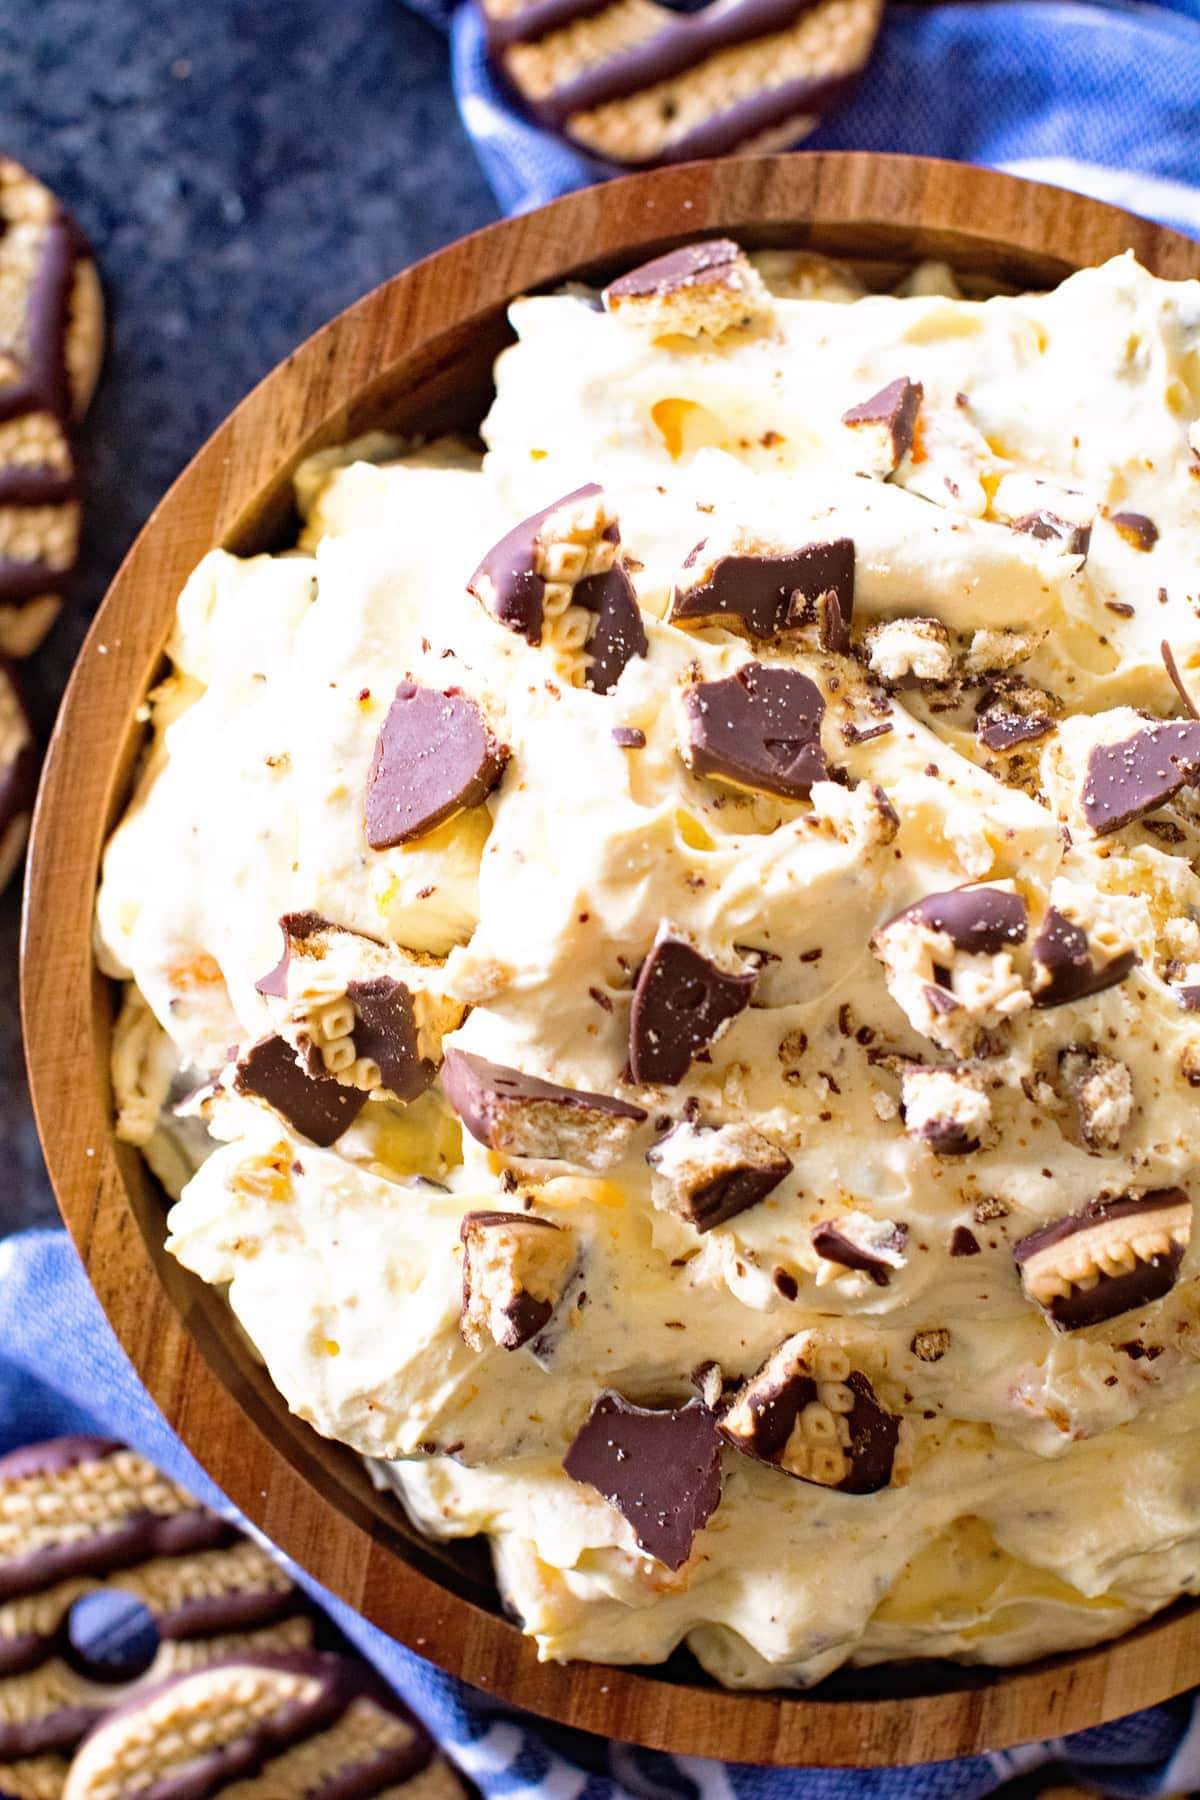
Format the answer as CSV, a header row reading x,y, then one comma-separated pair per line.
x,y
61,1370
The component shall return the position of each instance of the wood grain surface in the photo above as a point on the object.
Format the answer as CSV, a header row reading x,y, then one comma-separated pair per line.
x,y
415,354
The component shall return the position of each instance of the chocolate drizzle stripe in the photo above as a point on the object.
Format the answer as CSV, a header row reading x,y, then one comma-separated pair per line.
x,y
20,581
56,1456
537,20
33,485
213,1615
680,45
60,1730
754,114
142,1536
48,315
20,1654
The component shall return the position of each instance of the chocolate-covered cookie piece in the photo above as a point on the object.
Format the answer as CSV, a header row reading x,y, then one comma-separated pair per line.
x,y
885,424
758,729
681,1003
296,928
311,1723
765,596
709,1174
523,1116
978,920
1125,780
1068,965
79,1515
1111,1257
1056,515
708,288
557,579
809,1413
515,1271
18,772
946,1108
435,756
318,1107
660,1468
868,1246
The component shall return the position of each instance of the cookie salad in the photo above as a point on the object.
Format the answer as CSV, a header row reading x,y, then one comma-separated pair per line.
x,y
663,963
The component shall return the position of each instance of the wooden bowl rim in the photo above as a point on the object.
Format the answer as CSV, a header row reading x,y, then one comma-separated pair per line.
x,y
850,200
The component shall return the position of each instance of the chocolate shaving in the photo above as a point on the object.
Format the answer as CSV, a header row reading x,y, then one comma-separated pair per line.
x,y
894,411
759,729
319,1108
435,755
1049,526
836,1247
660,1468
1172,668
680,1003
769,595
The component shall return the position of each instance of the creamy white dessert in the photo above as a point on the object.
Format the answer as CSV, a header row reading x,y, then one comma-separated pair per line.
x,y
719,1113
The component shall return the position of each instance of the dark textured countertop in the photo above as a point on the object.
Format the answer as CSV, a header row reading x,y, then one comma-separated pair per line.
x,y
243,171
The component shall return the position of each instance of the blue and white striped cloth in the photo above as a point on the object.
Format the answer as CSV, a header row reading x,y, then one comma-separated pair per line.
x,y
61,1370
1100,97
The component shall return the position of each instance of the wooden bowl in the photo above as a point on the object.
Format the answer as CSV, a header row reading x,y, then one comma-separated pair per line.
x,y
418,352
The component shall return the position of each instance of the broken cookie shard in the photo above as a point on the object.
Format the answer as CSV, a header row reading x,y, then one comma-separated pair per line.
x,y
520,1115
765,596
435,755
1111,1257
867,1246
888,422
1068,967
660,1468
808,1413
709,1174
1142,772
681,1002
319,1108
758,729
296,927
702,288
515,1271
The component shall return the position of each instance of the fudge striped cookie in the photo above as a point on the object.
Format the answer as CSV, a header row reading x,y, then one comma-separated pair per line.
x,y
18,772
51,345
82,1514
301,1727
635,83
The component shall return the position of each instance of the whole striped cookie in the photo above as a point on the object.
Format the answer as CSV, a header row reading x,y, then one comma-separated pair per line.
x,y
301,1727
636,84
79,1515
51,345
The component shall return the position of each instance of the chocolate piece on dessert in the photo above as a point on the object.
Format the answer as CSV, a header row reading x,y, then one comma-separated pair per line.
x,y
873,1247
660,1468
629,737
385,1033
1068,965
435,755
765,596
947,1108
813,1416
709,1174
979,921
1110,1257
295,926
557,579
681,1002
758,729
998,728
887,423
1136,529
515,1271
1142,772
1176,679
520,1115
319,1107
963,1242
703,288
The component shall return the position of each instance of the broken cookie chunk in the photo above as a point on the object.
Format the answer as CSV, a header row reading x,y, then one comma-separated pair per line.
x,y
1101,1091
702,289
317,1107
905,651
735,581
1070,963
355,1009
660,1468
681,1003
708,1174
522,1116
809,1413
866,1246
557,580
434,757
1111,1257
885,425
948,962
948,1109
515,1271
759,729
1043,509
